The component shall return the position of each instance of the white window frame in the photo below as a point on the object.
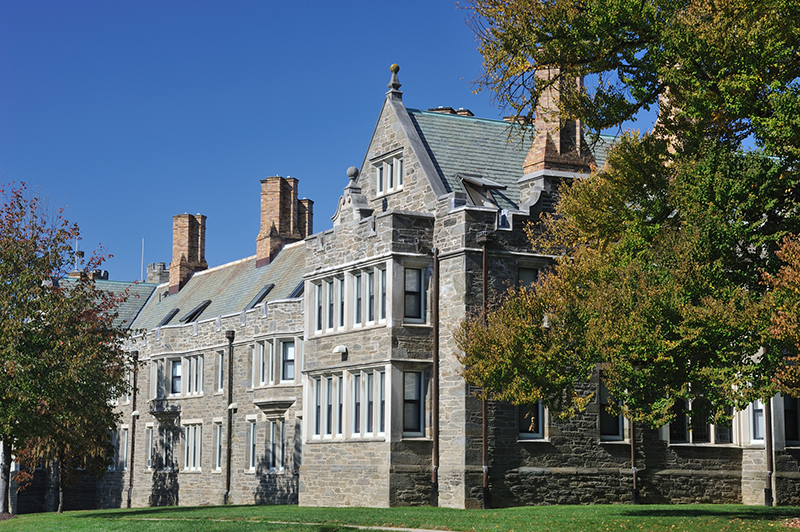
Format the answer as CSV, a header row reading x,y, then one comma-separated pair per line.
x,y
340,398
370,297
389,175
284,360
330,305
382,294
252,437
539,413
358,299
357,411
418,399
115,444
193,446
340,303
148,431
319,308
263,364
421,307
757,425
276,445
218,446
220,371
713,431
194,382
316,404
173,363
167,450
123,455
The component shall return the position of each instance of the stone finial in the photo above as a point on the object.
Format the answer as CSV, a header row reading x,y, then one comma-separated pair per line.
x,y
352,187
394,83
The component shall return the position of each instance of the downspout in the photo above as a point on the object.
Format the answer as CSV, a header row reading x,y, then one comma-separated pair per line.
x,y
635,491
134,415
483,240
768,449
435,398
230,335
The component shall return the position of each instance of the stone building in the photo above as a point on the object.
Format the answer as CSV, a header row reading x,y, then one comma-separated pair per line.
x,y
346,387
190,434
389,421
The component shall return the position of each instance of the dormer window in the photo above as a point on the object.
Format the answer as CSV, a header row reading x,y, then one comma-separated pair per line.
x,y
480,189
388,174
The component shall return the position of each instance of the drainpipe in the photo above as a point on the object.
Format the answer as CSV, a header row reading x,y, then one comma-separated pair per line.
x,y
483,240
134,415
230,335
435,398
768,449
635,492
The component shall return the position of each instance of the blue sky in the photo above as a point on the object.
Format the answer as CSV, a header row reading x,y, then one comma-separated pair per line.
x,y
127,113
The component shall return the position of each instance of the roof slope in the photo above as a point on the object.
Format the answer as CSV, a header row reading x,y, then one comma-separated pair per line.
x,y
469,145
230,288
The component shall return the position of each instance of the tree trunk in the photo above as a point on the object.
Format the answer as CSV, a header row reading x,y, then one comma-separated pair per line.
x,y
5,477
60,481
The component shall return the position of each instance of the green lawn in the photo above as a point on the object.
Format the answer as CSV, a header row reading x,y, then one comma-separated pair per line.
x,y
695,518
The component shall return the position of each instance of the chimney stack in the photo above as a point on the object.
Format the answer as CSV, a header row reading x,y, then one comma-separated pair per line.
x,y
558,145
559,150
284,218
188,249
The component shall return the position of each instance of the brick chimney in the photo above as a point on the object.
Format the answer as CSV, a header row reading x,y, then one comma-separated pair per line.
x,y
559,150
284,218
188,249
305,217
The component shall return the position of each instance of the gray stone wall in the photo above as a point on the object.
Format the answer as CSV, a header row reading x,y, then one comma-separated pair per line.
x,y
157,485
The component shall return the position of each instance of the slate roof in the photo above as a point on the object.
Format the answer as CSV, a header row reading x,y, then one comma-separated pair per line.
x,y
230,288
138,294
467,144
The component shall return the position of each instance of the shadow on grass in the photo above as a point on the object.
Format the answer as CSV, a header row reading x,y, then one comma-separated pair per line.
x,y
741,512
152,512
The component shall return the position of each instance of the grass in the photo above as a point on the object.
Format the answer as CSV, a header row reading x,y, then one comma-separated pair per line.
x,y
694,518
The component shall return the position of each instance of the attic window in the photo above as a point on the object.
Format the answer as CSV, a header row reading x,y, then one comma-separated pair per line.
x,y
260,296
298,291
479,189
389,174
171,314
195,312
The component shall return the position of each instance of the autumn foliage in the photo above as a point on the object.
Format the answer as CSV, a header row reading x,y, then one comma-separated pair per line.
x,y
62,363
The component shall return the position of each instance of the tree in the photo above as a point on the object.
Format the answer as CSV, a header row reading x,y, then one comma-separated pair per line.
x,y
61,359
719,62
662,252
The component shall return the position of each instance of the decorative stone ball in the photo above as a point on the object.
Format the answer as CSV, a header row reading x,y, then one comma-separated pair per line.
x,y
352,172
395,68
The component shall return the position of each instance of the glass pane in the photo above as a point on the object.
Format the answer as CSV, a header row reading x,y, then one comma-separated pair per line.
x,y
412,280
411,385
411,421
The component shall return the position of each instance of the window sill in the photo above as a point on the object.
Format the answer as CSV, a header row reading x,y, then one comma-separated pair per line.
x,y
414,437
703,444
190,471
345,330
614,442
533,440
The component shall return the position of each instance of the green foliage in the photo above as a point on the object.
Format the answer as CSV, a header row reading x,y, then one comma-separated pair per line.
x,y
671,279
720,63
61,359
